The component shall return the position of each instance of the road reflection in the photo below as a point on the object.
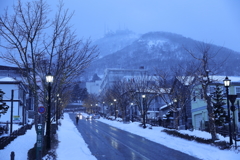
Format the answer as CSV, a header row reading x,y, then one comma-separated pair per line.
x,y
114,143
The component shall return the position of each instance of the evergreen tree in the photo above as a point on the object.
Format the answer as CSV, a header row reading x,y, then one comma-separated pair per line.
x,y
218,103
75,93
78,93
3,108
83,94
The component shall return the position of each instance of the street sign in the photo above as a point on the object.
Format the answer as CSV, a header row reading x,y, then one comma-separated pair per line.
x,y
41,109
39,140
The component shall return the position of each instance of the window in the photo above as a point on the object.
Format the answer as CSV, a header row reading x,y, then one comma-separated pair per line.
x,y
237,90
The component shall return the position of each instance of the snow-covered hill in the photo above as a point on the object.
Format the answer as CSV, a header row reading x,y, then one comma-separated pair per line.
x,y
124,49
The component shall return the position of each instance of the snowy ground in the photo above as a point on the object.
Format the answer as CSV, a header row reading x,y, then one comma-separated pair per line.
x,y
15,127
72,145
202,151
20,146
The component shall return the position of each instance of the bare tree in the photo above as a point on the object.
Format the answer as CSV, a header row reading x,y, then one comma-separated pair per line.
x,y
206,56
122,93
39,45
175,89
144,94
90,103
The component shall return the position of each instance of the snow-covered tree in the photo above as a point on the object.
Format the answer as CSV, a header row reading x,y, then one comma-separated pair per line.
x,y
217,100
3,106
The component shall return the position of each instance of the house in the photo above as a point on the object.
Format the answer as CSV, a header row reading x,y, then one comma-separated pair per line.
x,y
177,102
9,71
16,98
199,106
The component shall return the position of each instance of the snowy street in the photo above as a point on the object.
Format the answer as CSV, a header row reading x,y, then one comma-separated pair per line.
x,y
72,143
107,142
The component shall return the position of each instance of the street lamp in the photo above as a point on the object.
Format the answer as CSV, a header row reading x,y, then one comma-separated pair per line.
x,y
96,110
132,112
49,80
111,109
143,111
91,109
227,83
115,100
103,108
175,100
57,109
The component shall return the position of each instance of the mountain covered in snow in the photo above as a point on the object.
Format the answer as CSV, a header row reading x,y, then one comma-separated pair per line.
x,y
124,49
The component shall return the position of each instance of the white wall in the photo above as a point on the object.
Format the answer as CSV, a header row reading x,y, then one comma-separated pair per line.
x,y
17,110
93,87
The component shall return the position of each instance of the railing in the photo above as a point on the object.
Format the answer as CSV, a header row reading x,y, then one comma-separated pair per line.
x,y
4,141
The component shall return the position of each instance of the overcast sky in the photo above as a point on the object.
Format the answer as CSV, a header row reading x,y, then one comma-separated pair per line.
x,y
215,21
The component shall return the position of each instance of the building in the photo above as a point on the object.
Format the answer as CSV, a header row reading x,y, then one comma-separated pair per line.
x,y
11,78
112,75
132,75
16,98
8,71
93,86
177,100
199,106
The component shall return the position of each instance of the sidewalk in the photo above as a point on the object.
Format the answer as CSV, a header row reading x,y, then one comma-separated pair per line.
x,y
71,145
20,146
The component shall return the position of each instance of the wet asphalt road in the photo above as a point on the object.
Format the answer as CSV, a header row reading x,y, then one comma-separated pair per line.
x,y
109,143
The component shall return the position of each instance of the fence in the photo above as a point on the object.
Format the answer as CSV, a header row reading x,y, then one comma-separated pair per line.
x,y
4,141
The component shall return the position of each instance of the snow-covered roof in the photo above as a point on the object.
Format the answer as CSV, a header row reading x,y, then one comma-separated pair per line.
x,y
186,80
7,79
165,106
219,79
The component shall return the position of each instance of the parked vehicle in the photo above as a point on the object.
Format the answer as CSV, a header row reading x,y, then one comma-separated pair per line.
x,y
90,116
96,116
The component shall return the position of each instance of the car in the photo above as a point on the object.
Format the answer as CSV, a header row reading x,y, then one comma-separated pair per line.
x,y
96,116
90,116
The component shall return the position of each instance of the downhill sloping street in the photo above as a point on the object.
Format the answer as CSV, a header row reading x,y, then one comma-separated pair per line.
x,y
72,143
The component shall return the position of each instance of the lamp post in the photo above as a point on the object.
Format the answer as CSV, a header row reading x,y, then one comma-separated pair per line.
x,y
227,83
143,111
57,110
111,108
49,80
103,108
91,108
175,101
115,108
132,112
96,110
